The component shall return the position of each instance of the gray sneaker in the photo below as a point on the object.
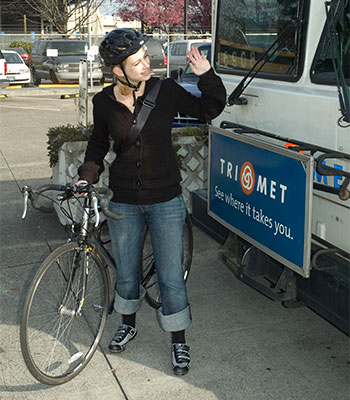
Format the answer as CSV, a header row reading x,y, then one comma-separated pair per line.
x,y
124,334
180,358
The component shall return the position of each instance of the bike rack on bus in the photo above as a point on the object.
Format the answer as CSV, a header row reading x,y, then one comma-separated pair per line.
x,y
342,192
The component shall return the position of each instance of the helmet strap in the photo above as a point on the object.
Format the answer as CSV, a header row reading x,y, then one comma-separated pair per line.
x,y
128,84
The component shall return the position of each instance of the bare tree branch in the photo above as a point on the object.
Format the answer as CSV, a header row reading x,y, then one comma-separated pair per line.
x,y
59,12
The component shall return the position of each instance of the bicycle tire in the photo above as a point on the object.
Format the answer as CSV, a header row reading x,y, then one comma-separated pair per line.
x,y
57,345
148,276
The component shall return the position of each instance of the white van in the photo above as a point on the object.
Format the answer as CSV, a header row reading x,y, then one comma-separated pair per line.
x,y
177,53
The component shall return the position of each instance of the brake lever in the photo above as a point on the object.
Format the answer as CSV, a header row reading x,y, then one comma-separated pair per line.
x,y
25,191
95,207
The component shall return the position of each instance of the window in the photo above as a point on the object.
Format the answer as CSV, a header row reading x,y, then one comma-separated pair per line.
x,y
173,48
247,28
333,52
41,49
66,48
13,58
35,47
182,49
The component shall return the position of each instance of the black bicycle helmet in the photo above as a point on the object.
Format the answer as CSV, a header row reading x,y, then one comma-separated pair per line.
x,y
119,44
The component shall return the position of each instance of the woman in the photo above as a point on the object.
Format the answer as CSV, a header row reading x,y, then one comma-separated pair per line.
x,y
145,180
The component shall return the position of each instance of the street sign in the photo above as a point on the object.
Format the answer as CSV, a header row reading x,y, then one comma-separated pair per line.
x,y
263,193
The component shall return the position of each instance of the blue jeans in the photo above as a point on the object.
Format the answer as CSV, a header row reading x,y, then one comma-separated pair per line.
x,y
166,223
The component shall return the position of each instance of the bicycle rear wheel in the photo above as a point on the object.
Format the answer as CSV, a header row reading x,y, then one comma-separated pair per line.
x,y
57,340
148,275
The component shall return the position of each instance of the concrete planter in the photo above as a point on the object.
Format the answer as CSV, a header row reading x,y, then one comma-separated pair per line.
x,y
70,157
194,165
192,153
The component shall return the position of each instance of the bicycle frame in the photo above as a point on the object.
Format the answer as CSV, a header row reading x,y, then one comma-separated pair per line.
x,y
89,241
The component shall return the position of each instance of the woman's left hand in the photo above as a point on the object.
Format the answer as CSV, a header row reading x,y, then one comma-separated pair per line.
x,y
198,62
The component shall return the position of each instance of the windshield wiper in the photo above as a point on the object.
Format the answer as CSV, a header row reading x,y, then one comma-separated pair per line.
x,y
276,46
335,11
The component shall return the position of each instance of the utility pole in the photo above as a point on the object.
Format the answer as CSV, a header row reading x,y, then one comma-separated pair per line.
x,y
185,18
25,23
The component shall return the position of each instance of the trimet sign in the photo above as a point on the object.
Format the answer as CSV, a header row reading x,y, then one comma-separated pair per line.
x,y
263,193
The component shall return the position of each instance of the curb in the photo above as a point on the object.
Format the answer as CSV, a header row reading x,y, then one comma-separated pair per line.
x,y
76,95
62,93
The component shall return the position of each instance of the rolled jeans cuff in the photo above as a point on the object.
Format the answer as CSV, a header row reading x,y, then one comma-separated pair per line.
x,y
127,307
175,322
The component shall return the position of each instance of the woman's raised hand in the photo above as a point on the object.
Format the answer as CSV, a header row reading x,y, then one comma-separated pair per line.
x,y
198,62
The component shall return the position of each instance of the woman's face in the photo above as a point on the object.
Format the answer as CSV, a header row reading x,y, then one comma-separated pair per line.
x,y
137,67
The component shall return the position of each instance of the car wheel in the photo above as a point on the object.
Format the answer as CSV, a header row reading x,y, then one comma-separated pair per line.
x,y
53,77
36,79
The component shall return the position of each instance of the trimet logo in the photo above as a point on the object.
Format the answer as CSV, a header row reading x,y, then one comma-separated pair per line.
x,y
247,178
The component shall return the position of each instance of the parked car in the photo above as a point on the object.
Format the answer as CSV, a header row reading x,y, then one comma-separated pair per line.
x,y
188,80
58,61
177,52
3,72
157,58
17,70
24,54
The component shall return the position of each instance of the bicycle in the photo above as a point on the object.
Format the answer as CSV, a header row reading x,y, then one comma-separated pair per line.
x,y
68,301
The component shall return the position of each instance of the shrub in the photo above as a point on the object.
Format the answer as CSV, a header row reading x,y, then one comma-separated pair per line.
x,y
64,133
199,132
27,46
75,133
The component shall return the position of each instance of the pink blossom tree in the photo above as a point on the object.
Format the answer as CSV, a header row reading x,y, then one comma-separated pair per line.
x,y
166,14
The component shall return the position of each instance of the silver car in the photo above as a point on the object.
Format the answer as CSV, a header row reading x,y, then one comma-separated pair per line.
x,y
177,53
58,61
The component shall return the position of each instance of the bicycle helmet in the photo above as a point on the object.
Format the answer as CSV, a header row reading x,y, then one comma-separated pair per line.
x,y
119,44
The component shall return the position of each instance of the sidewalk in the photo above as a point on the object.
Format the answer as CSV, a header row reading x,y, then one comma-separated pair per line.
x,y
243,346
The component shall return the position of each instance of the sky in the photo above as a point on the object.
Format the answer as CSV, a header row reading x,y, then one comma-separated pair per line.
x,y
107,8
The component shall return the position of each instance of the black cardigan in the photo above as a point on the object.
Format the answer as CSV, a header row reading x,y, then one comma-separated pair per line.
x,y
147,172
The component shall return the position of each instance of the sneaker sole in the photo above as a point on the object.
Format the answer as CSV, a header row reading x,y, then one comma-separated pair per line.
x,y
181,370
122,347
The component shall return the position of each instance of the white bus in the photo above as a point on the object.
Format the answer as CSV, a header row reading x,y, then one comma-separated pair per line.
x,y
285,65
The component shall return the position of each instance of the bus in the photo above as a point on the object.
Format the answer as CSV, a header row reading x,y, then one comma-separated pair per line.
x,y
279,153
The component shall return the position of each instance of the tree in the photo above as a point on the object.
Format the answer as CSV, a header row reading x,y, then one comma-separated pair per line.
x,y
166,14
59,12
199,12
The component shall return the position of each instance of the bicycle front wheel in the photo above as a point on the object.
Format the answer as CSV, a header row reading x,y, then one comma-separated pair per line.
x,y
60,329
148,273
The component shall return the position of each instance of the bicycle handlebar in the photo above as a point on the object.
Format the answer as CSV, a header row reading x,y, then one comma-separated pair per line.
x,y
101,195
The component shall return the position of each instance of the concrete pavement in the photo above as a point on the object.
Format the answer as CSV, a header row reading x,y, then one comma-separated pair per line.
x,y
243,346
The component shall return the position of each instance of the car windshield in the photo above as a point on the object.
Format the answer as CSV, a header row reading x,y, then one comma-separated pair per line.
x,y
188,73
12,58
69,48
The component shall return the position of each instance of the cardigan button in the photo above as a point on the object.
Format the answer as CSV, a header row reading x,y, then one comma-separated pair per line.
x,y
138,143
138,164
138,183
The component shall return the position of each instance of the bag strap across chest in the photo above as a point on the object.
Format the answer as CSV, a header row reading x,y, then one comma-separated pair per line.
x,y
147,106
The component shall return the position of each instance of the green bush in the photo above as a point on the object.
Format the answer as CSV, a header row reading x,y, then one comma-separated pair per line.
x,y
27,46
64,133
199,132
75,133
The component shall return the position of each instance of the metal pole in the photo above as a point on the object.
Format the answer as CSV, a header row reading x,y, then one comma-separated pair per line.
x,y
185,17
89,38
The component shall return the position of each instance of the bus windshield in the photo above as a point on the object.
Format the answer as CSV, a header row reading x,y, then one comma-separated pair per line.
x,y
247,28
